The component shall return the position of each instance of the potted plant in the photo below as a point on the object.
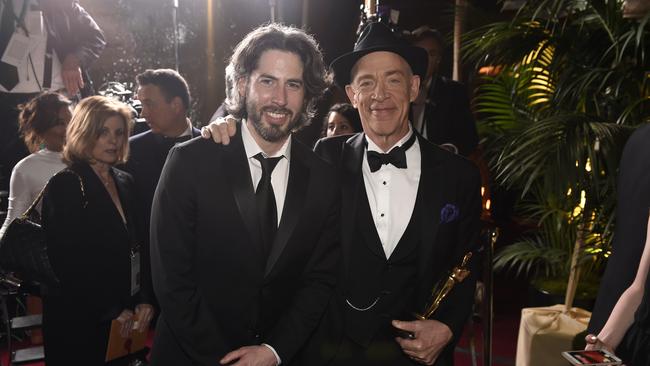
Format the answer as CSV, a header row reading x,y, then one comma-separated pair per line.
x,y
571,83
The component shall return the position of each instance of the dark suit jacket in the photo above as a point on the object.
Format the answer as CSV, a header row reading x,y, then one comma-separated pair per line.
x,y
633,201
89,247
446,179
147,154
217,290
448,116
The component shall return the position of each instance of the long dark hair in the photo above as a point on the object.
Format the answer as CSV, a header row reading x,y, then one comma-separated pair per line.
x,y
275,36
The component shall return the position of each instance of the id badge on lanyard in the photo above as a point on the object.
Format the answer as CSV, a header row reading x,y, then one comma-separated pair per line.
x,y
135,271
27,35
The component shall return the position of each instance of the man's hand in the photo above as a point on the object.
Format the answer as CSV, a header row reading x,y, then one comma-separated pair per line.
x,y
143,314
250,356
431,337
126,320
71,74
221,130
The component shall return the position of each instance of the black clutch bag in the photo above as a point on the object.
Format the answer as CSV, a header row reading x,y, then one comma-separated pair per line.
x,y
23,248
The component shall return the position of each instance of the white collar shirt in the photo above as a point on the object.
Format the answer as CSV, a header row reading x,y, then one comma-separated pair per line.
x,y
188,130
392,193
279,176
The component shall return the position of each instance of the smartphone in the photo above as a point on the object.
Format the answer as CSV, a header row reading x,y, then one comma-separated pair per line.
x,y
592,358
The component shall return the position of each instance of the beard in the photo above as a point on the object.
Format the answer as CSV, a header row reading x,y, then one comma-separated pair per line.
x,y
268,132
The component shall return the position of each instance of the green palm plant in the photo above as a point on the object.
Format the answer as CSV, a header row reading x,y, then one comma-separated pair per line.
x,y
573,83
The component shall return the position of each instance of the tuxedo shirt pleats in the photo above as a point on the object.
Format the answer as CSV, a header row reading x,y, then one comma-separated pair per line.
x,y
280,174
392,192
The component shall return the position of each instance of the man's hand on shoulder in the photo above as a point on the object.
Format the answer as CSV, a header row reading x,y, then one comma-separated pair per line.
x,y
431,337
221,130
250,356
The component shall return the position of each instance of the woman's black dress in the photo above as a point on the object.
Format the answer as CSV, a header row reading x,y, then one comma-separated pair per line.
x,y
89,246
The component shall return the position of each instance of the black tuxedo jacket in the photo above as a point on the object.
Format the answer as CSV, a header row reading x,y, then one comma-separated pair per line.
x,y
89,247
446,180
632,203
216,288
448,116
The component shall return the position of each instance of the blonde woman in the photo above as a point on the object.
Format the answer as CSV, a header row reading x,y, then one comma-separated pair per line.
x,y
88,221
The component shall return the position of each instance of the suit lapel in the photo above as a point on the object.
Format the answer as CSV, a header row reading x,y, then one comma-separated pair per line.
x,y
293,203
236,164
431,196
353,190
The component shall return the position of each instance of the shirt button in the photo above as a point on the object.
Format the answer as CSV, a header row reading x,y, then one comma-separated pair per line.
x,y
382,215
384,182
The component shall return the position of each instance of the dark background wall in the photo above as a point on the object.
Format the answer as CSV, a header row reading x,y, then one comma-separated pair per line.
x,y
140,36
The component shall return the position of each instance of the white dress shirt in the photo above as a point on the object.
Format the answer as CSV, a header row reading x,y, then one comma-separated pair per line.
x,y
27,179
188,130
279,178
28,81
392,192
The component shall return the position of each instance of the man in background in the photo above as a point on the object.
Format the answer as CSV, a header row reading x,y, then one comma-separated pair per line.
x,y
441,112
48,45
165,99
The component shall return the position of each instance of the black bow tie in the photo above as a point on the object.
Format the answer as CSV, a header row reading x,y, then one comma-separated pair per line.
x,y
397,156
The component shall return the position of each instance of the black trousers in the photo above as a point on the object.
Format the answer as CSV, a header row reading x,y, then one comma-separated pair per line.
x,y
12,147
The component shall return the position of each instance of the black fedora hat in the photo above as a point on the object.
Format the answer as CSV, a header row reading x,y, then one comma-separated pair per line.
x,y
378,37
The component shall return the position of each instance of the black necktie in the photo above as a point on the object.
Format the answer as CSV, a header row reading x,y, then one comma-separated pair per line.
x,y
397,156
8,73
265,198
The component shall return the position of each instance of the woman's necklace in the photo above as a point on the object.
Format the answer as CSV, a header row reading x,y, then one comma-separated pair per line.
x,y
105,180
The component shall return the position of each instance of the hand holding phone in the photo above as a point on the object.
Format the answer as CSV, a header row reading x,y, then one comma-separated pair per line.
x,y
592,358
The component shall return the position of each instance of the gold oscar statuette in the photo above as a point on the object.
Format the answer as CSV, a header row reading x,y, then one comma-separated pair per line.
x,y
442,289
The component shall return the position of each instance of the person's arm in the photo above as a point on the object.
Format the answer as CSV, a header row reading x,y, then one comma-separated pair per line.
x,y
622,315
19,198
87,44
447,324
173,249
90,41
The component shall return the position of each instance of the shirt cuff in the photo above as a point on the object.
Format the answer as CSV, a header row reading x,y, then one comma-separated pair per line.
x,y
277,357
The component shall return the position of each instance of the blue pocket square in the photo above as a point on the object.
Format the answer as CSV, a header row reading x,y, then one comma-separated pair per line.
x,y
449,213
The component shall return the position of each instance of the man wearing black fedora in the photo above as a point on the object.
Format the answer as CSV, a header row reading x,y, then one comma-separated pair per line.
x,y
410,212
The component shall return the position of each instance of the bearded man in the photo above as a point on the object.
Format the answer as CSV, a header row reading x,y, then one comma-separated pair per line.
x,y
243,277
